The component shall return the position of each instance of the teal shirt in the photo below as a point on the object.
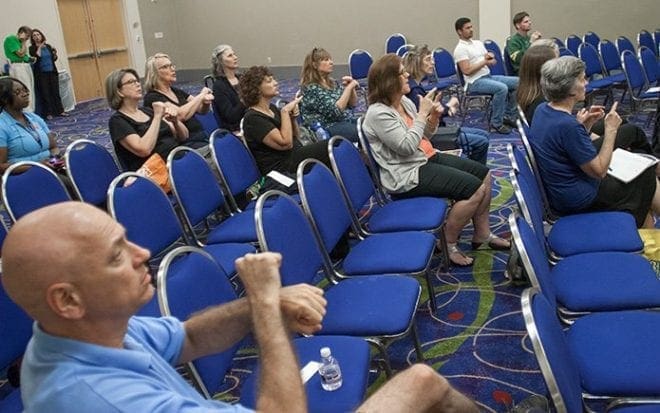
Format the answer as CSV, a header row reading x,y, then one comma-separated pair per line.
x,y
517,45
12,45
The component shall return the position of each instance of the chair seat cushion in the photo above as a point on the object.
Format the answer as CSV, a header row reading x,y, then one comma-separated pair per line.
x,y
606,281
236,228
226,254
617,353
594,232
390,253
649,95
12,403
599,84
412,214
371,306
353,357
636,408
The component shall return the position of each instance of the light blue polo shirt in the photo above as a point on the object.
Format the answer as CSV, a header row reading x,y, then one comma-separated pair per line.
x,y
24,143
63,375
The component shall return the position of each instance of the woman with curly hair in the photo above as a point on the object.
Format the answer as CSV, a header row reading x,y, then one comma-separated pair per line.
x,y
324,99
271,133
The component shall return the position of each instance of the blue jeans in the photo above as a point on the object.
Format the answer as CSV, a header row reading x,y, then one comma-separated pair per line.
x,y
347,129
475,143
503,89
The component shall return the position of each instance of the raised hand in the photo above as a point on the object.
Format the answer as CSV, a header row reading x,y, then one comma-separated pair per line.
x,y
427,103
260,274
612,119
159,109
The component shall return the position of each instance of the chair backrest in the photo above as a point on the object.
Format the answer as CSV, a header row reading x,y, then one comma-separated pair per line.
x,y
533,255
283,227
374,170
27,186
141,206
591,38
189,280
15,330
645,39
90,168
589,55
610,55
552,352
208,81
508,63
528,201
656,37
535,173
522,117
494,48
634,72
444,63
359,62
403,49
197,191
352,174
323,202
238,169
559,42
394,41
208,121
572,43
624,43
650,64
563,51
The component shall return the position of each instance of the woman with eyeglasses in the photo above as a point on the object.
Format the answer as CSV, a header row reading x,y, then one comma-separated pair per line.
x,y
24,136
138,132
160,75
410,167
324,99
419,64
227,104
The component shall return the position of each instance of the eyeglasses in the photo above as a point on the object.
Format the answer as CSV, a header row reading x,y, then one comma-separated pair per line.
x,y
167,66
21,91
130,82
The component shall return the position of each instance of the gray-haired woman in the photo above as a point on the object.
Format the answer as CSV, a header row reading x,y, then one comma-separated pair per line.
x,y
573,169
227,104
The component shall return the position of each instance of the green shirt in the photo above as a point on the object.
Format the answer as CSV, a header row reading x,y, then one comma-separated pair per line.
x,y
517,46
13,45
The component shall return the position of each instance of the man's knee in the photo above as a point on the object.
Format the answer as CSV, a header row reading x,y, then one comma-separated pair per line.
x,y
426,376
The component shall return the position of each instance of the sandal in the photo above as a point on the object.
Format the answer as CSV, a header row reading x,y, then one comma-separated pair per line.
x,y
490,241
452,249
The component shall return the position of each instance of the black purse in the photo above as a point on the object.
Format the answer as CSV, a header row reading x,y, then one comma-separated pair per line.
x,y
446,138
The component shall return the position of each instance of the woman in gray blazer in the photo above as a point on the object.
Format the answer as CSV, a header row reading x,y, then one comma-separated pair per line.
x,y
410,166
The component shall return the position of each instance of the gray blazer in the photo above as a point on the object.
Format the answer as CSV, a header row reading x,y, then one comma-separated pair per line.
x,y
395,146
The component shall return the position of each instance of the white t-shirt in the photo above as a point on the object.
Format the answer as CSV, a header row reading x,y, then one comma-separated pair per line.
x,y
474,52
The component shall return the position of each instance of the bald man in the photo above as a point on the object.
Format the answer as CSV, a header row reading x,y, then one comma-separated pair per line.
x,y
85,281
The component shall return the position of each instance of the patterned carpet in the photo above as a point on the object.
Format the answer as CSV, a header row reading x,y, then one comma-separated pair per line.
x,y
477,339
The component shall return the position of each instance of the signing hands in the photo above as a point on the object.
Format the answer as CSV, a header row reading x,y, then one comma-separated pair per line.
x,y
430,106
489,58
292,107
207,95
348,82
535,36
612,119
588,117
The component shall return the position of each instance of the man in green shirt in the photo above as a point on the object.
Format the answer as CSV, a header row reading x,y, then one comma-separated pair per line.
x,y
518,44
16,51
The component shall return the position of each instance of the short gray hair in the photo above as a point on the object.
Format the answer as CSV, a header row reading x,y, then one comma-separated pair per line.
x,y
217,69
558,76
113,84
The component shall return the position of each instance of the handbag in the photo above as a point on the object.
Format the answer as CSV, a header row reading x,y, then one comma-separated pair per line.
x,y
446,138
155,168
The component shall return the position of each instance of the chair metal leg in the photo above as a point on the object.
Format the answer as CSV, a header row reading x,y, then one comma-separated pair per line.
x,y
431,291
385,358
418,345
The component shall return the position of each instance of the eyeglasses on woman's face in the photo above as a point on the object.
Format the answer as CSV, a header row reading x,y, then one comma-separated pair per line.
x,y
167,66
21,90
132,81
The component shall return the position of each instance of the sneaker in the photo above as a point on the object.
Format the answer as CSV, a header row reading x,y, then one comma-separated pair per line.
x,y
510,122
503,129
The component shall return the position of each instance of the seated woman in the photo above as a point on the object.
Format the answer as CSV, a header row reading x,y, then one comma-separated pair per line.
x,y
271,134
24,136
324,99
419,64
160,76
136,132
574,171
227,104
410,167
530,95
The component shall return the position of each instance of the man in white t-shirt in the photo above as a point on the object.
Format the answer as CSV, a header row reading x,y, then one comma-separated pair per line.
x,y
473,61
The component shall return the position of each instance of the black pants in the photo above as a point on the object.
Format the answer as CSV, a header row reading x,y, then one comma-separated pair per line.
x,y
316,150
629,137
47,87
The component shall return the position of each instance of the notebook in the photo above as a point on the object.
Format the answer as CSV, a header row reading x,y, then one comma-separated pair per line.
x,y
626,166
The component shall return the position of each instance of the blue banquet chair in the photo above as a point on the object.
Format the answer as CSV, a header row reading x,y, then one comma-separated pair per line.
x,y
90,168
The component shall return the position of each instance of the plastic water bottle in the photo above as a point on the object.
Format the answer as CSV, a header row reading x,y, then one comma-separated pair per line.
x,y
329,371
321,134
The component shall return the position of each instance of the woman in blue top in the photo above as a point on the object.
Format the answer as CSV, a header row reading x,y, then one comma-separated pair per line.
x,y
46,79
573,169
324,99
419,64
24,136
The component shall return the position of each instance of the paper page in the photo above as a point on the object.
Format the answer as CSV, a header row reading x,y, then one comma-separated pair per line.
x,y
282,179
654,89
626,166
309,371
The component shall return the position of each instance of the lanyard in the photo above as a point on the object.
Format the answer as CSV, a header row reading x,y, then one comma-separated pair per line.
x,y
32,131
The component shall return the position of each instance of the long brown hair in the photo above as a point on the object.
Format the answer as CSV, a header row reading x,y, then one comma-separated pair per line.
x,y
383,79
529,86
310,73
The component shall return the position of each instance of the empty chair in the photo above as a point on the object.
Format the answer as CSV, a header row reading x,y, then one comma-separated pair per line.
x,y
650,64
573,42
637,85
202,202
494,48
645,39
394,41
563,51
208,121
355,305
623,43
601,357
508,64
359,62
445,69
611,57
90,168
145,211
190,281
599,81
656,37
403,49
591,38
559,42
28,185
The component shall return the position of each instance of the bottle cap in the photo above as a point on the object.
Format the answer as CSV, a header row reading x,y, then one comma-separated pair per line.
x,y
325,352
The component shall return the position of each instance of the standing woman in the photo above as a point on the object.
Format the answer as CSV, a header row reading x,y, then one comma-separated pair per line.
x,y
137,132
46,81
227,104
324,99
419,64
160,76
409,167
271,133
